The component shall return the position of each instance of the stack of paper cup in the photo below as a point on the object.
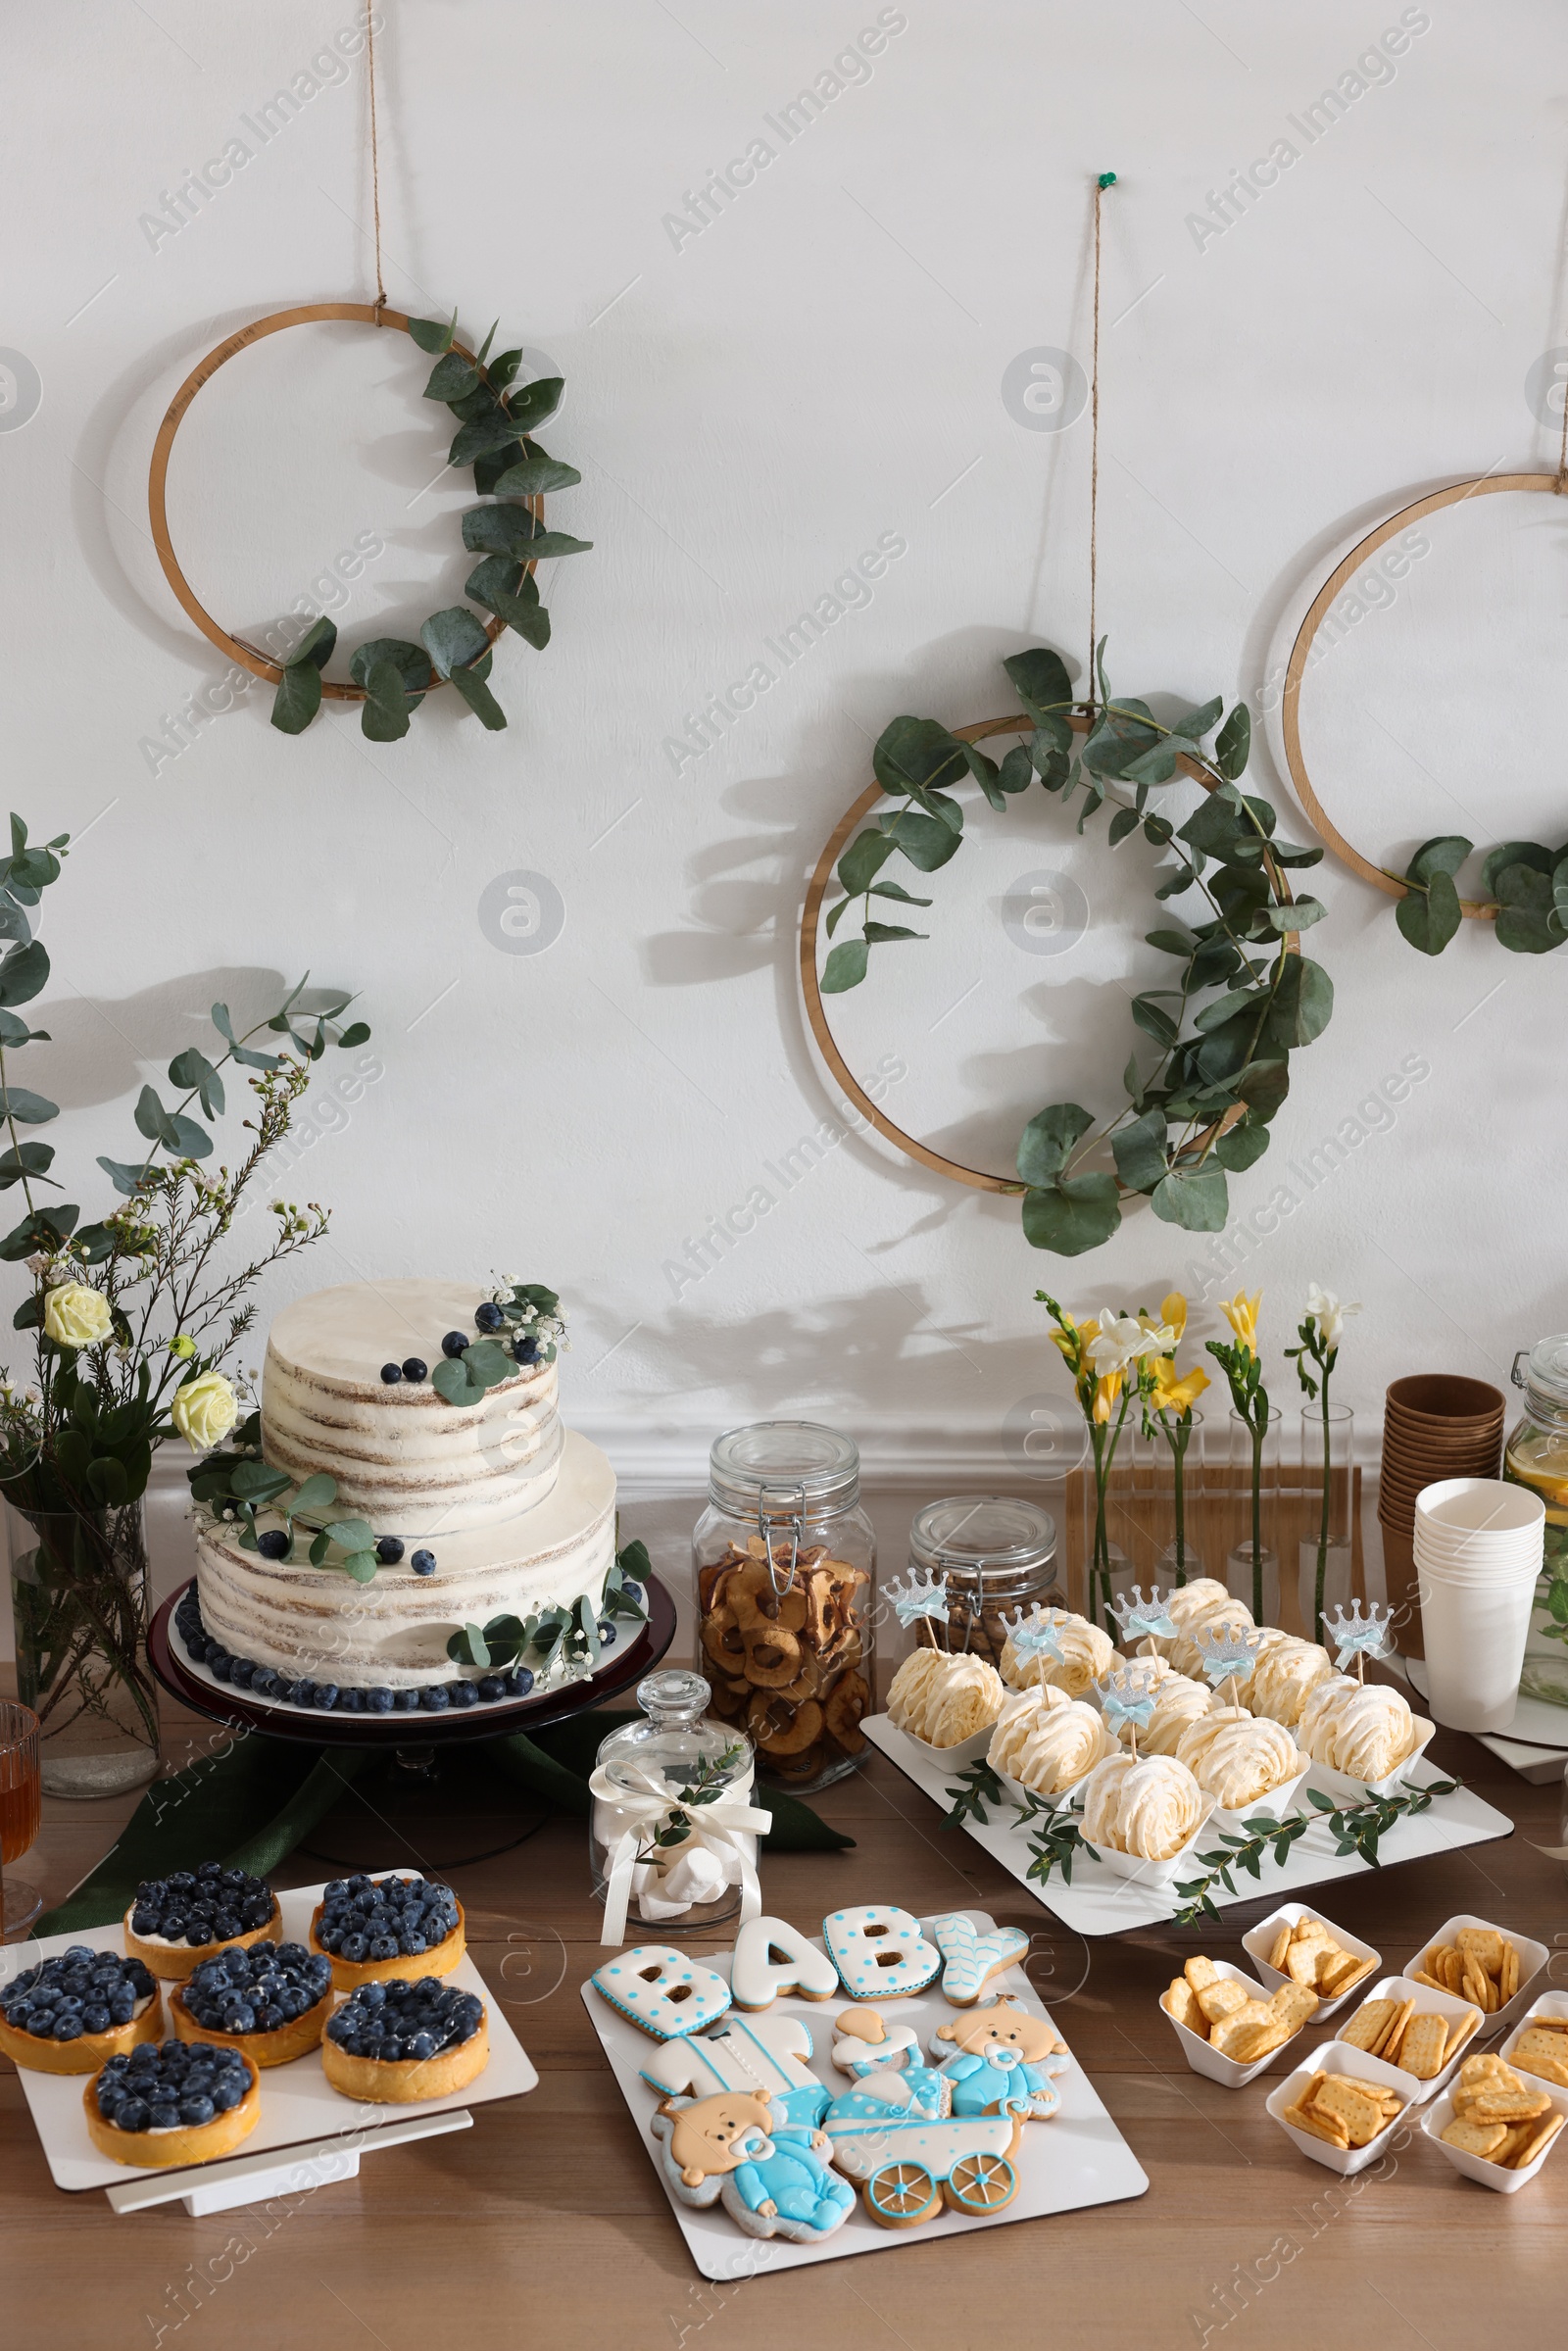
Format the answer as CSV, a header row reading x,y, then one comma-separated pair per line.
x,y
1435,1425
1478,1551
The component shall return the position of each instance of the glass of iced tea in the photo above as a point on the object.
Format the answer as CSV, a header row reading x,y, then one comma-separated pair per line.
x,y
20,1794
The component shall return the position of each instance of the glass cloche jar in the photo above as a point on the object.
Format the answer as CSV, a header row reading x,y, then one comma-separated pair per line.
x,y
785,1559
673,1832
996,1554
1537,1456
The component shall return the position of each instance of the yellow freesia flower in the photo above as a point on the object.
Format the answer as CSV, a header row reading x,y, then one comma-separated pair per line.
x,y
1240,1313
1173,1311
1171,1395
1107,1391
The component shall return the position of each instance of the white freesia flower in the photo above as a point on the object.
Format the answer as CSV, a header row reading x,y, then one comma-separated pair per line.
x,y
1329,1313
1121,1340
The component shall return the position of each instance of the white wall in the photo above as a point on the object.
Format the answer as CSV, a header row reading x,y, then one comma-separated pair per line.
x,y
751,408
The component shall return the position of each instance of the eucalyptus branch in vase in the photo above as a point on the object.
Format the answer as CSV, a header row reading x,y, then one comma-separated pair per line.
x,y
1319,1333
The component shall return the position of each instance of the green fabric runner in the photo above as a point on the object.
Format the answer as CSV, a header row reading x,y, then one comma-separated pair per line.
x,y
249,1808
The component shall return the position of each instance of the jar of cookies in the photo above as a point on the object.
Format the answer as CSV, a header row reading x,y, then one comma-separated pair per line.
x,y
672,1834
995,1553
785,1558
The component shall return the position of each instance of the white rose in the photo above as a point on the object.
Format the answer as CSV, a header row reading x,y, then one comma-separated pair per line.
x,y
204,1410
75,1315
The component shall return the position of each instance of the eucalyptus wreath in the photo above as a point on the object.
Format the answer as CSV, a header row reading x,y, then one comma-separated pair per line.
x,y
496,420
1246,996
1525,883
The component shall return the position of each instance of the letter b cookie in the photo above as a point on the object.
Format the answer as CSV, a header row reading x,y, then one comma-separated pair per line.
x,y
879,1951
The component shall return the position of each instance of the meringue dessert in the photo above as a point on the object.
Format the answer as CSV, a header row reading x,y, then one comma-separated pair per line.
x,y
1201,1606
1286,1672
1149,1805
1238,1757
1178,1703
1365,1731
944,1699
1048,1742
1088,1652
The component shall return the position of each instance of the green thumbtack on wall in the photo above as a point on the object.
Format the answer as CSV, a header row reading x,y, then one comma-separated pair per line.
x,y
1107,179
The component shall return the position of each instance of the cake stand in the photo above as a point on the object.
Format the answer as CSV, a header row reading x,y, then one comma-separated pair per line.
x,y
423,1802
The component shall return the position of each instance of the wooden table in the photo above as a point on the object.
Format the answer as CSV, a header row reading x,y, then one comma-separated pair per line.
x,y
544,2226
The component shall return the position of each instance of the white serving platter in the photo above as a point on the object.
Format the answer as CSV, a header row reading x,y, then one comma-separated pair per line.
x,y
1098,1901
1076,2159
1541,1766
300,2109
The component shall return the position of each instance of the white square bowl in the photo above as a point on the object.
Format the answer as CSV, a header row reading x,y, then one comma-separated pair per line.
x,y
1273,1806
1335,2058
1475,2167
1022,1793
1260,1940
1452,2010
958,1757
1155,1873
1346,1790
1549,2003
1532,1957
1204,2059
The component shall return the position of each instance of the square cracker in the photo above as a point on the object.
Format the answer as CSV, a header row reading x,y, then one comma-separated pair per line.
x,y
1459,2033
1221,1998
1485,1946
1368,2025
1300,1962
1179,2001
1509,2105
1259,2037
1508,1980
1294,2003
1282,1944
1544,2132
1358,2107
1388,2048
1475,2138
1317,2125
1201,1971
1423,2047
1338,1971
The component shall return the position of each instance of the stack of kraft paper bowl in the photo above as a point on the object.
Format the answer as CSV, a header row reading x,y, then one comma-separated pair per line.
x,y
1436,1425
1479,1544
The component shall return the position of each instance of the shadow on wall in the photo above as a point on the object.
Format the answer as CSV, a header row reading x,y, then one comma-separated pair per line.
x,y
97,1047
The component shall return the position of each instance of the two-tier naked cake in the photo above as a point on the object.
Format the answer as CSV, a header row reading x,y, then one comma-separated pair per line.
x,y
479,1511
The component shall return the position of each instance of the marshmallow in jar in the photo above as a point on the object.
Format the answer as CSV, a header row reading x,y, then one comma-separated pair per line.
x,y
675,1823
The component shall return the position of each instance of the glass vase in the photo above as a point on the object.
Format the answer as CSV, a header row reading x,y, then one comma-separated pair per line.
x,y
1251,1562
1328,1479
78,1601
1181,1562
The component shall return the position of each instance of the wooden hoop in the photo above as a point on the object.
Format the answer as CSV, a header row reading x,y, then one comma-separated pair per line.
x,y
1483,485
922,1152
248,656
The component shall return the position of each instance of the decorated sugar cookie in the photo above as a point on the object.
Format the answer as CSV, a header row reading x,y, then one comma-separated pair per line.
x,y
867,2043
720,2150
970,1959
879,1950
662,1990
1000,2059
763,2054
901,2136
771,1958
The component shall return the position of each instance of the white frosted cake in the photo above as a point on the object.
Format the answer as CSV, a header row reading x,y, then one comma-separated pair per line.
x,y
479,1509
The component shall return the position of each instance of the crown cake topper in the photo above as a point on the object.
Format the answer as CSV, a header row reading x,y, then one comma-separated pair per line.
x,y
1144,1620
1128,1696
1358,1635
922,1596
1230,1653
1038,1636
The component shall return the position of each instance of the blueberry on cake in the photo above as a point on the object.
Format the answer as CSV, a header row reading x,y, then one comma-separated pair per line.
x,y
271,2001
67,2014
178,1920
173,2102
377,1928
397,2043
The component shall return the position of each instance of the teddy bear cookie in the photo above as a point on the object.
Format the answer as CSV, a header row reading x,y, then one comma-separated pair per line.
x,y
173,2103
721,2150
865,2043
1000,2059
178,1919
396,2043
271,2001
70,2014
376,1928
772,1957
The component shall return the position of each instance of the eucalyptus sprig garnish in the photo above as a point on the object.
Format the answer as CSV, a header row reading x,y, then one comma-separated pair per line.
x,y
496,419
1057,1845
977,1787
1247,998
1355,1828
234,1483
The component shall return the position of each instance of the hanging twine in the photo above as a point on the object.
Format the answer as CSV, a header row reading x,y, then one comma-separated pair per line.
x,y
1562,448
1106,179
376,157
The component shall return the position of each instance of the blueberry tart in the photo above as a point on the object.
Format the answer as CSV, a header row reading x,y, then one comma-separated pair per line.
x,y
66,2014
176,1920
375,1928
271,2001
173,2102
397,2043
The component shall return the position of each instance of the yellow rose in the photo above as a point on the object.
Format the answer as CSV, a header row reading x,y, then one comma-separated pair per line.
x,y
204,1410
74,1315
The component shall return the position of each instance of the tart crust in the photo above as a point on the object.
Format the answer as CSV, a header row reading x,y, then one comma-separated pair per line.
x,y
439,1960
283,2043
36,2053
174,1962
407,2080
193,2143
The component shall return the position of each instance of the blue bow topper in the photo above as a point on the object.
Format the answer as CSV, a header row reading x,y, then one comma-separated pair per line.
x,y
922,1596
1144,1620
1038,1636
1127,1697
1358,1635
1230,1655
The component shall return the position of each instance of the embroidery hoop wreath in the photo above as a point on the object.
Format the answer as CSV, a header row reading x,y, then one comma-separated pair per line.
x,y
1527,883
390,675
1203,1112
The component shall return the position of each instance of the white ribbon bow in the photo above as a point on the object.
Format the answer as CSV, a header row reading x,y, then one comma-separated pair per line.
x,y
640,1804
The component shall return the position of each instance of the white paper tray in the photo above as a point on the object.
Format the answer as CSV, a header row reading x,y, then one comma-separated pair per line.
x,y
1098,1902
1076,2159
299,2105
